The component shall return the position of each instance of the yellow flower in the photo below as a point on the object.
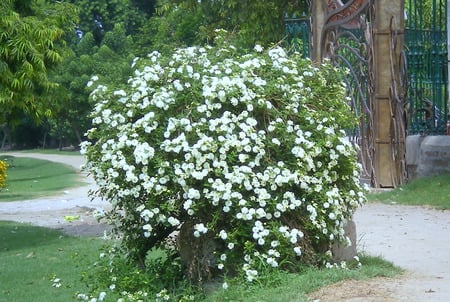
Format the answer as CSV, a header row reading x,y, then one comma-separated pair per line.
x,y
3,167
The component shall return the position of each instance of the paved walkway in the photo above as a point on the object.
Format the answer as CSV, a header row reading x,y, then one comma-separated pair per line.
x,y
415,238
51,211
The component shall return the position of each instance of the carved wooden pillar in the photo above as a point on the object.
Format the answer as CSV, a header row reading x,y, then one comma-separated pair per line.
x,y
389,18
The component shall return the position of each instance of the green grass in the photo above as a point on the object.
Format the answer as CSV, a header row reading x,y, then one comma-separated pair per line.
x,y
428,191
29,178
32,256
296,287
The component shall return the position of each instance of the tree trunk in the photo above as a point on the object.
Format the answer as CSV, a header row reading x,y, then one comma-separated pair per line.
x,y
44,143
6,135
77,134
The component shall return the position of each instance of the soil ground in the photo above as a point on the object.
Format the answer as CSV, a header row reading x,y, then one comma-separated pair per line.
x,y
414,238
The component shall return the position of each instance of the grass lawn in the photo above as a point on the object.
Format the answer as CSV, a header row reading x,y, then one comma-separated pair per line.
x,y
29,178
31,257
286,287
429,191
51,151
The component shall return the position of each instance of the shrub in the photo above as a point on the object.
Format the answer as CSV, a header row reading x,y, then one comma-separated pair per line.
x,y
242,158
3,168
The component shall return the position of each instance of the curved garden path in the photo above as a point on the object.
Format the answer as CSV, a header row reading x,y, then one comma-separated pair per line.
x,y
52,211
414,238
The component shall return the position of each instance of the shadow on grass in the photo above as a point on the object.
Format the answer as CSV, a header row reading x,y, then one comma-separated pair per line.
x,y
17,236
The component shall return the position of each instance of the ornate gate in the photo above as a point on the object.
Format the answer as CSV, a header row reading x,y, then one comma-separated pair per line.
x,y
365,38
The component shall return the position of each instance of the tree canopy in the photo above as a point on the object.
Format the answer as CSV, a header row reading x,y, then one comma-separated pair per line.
x,y
49,50
31,43
251,21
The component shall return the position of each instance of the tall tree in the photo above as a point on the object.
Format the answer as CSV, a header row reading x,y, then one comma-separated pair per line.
x,y
110,62
251,21
31,43
131,13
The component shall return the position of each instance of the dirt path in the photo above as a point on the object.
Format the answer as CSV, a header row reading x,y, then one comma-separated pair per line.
x,y
414,238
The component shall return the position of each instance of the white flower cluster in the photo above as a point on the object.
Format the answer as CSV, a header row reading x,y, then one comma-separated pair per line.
x,y
238,145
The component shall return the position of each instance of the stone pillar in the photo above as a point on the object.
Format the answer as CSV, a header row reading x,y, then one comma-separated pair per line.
x,y
389,16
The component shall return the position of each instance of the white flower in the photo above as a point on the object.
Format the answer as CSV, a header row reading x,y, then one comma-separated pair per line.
x,y
276,141
200,229
223,234
258,48
56,282
147,230
82,297
173,221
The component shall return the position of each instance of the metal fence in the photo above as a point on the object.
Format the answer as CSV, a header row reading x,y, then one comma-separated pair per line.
x,y
426,52
298,31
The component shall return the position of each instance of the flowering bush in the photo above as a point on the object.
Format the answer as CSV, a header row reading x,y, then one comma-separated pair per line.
x,y
241,158
3,168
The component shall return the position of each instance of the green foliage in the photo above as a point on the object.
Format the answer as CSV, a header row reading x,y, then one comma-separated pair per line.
x,y
132,13
30,45
163,270
110,61
175,28
251,21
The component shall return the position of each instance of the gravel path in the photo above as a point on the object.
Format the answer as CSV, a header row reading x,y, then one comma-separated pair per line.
x,y
414,238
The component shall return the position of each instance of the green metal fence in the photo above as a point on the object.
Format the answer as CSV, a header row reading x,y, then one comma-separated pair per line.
x,y
426,51
298,31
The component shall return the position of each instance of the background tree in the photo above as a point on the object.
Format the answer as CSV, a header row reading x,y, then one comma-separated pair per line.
x,y
31,43
110,61
94,51
252,21
174,28
131,13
